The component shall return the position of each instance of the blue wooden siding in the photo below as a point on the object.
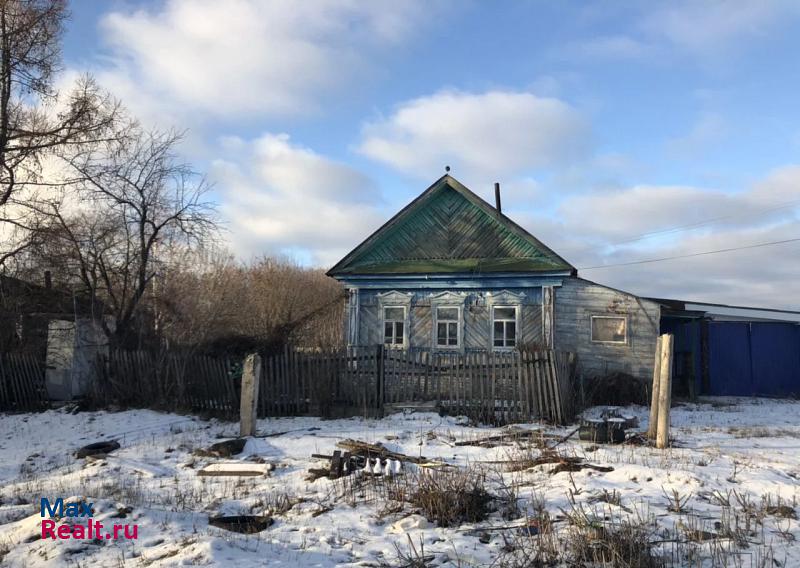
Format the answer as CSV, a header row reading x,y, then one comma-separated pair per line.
x,y
476,324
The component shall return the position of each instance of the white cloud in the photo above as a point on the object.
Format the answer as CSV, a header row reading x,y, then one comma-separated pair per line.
x,y
712,26
246,57
616,215
760,277
709,129
492,134
654,32
282,198
598,228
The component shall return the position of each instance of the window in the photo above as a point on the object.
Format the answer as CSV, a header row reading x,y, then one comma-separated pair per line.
x,y
447,327
394,321
505,326
609,329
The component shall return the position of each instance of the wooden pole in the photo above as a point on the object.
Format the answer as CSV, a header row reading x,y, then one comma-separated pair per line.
x,y
380,377
665,392
653,424
249,399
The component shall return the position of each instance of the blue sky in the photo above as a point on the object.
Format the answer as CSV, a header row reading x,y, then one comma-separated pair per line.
x,y
602,122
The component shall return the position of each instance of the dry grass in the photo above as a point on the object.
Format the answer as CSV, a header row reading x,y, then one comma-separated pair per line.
x,y
411,556
450,497
624,545
762,432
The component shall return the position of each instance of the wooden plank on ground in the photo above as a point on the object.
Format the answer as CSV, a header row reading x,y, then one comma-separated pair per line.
x,y
235,469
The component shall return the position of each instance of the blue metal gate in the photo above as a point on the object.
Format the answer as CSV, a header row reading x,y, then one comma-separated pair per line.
x,y
751,359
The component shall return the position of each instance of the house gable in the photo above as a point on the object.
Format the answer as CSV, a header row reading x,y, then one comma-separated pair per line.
x,y
450,230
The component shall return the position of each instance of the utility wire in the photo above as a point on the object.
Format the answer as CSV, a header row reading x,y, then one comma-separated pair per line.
x,y
704,253
705,222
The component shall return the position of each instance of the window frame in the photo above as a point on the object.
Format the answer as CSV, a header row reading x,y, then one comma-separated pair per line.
x,y
517,309
623,317
394,321
458,321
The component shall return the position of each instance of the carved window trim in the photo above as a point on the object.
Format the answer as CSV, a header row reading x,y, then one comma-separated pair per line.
x,y
395,299
505,299
448,299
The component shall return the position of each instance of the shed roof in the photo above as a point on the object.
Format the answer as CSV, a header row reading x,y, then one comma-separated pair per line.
x,y
24,297
725,312
448,229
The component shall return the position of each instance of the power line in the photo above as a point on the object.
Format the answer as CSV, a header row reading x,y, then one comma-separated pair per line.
x,y
680,228
704,253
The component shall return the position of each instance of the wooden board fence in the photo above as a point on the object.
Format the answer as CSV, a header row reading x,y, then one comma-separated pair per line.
x,y
497,388
22,383
169,381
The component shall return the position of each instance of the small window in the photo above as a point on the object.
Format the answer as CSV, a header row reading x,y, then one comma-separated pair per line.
x,y
505,326
447,327
394,321
609,329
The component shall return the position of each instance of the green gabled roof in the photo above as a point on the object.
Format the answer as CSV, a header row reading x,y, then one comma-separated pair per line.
x,y
448,230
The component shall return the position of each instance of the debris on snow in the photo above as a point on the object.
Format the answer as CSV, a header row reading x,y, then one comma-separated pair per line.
x,y
98,449
246,524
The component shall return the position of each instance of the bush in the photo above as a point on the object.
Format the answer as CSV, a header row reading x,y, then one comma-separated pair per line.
x,y
449,497
616,389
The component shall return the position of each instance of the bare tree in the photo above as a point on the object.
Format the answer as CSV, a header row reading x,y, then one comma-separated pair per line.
x,y
135,197
33,121
212,301
199,298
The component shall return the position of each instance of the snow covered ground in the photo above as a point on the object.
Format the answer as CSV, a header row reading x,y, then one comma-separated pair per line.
x,y
726,494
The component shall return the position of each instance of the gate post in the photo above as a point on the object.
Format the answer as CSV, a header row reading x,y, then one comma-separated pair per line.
x,y
652,428
251,375
665,392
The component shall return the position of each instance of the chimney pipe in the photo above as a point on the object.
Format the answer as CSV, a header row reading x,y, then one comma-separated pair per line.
x,y
497,197
48,279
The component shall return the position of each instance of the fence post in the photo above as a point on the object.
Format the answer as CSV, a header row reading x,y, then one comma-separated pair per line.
x,y
380,378
653,424
665,392
250,379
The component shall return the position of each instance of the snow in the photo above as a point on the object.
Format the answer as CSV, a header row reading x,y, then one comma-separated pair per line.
x,y
745,449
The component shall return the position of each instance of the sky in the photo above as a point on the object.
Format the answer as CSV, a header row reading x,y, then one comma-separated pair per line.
x,y
619,131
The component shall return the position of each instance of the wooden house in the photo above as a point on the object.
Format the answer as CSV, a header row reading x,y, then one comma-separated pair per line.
x,y
451,273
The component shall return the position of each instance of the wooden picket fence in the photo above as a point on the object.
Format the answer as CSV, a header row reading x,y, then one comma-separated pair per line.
x,y
169,381
22,385
498,388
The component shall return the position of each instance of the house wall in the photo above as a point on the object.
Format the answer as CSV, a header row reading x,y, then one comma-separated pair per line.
x,y
577,300
476,324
